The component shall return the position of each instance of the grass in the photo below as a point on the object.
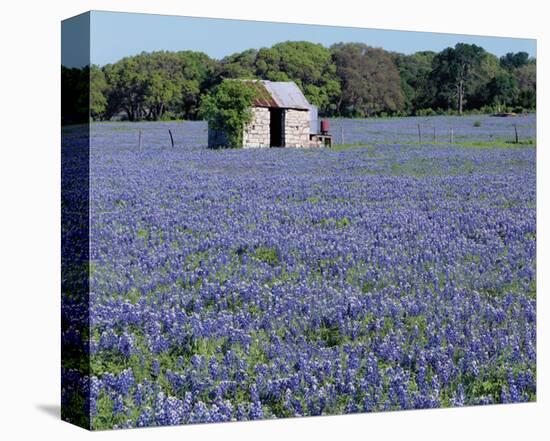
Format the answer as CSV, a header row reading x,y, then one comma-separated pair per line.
x,y
499,143
343,147
313,199
267,255
143,234
495,143
336,223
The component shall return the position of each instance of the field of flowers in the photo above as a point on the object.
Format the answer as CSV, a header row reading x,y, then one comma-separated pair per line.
x,y
262,283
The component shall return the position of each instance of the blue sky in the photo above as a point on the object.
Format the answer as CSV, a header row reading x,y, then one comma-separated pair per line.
x,y
115,35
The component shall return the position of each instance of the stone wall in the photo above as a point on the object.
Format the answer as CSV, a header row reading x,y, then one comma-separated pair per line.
x,y
256,133
296,128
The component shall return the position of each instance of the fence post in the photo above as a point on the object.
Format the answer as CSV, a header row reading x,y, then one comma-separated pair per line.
x,y
342,135
139,142
434,134
419,135
171,138
452,136
516,133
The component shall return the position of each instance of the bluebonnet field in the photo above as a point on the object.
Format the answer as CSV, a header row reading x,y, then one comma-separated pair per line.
x,y
246,284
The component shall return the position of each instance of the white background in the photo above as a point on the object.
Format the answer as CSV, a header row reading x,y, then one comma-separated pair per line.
x,y
30,219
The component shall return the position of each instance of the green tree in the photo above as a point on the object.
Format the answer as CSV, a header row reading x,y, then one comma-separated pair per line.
x,y
526,77
197,71
98,91
503,89
453,72
370,81
152,85
524,70
160,92
347,80
514,60
227,109
414,72
127,92
477,93
309,65
238,65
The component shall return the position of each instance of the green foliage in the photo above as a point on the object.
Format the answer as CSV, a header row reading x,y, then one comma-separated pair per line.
x,y
98,91
414,71
227,109
308,64
526,77
503,89
143,234
426,112
127,88
514,60
454,71
267,255
330,335
238,65
159,91
148,85
370,82
335,223
347,79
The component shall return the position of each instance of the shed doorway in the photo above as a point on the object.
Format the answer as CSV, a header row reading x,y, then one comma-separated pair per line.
x,y
275,127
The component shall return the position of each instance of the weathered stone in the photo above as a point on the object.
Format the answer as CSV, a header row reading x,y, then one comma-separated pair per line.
x,y
295,129
256,132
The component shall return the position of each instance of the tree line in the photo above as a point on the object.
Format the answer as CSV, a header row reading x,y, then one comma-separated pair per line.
x,y
346,79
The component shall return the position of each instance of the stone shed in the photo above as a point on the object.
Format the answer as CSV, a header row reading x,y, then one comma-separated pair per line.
x,y
281,117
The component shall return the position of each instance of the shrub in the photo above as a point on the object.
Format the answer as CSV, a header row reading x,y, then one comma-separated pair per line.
x,y
227,109
487,109
426,112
